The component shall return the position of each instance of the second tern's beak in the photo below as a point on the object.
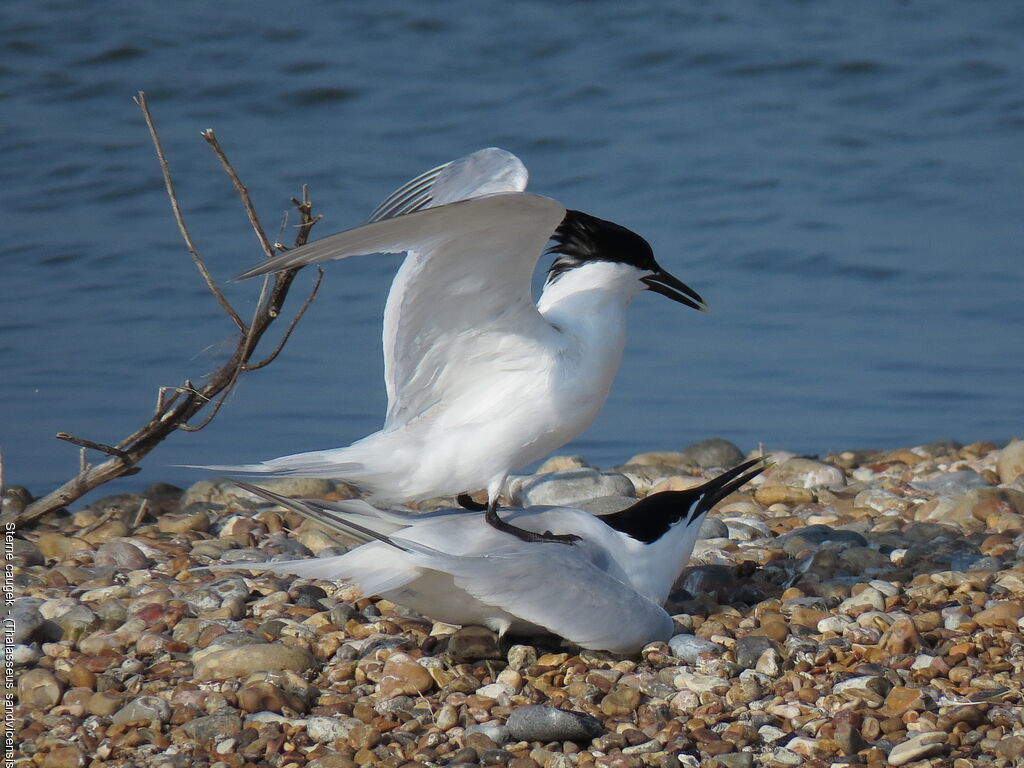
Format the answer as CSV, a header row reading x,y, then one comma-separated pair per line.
x,y
667,285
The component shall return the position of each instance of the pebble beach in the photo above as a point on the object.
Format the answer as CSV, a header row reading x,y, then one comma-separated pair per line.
x,y
860,608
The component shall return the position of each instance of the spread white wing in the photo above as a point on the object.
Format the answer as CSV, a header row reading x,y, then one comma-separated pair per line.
x,y
473,239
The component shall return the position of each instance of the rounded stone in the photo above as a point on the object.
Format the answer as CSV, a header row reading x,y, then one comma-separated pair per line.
x,y
213,727
690,647
26,618
806,473
712,452
403,676
123,555
39,689
58,546
144,709
917,747
571,486
712,528
326,730
104,703
537,722
220,663
473,644
1010,463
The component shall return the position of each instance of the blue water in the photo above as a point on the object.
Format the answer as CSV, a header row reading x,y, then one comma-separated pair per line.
x,y
844,184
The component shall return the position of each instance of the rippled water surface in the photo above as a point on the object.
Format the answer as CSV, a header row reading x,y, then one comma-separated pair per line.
x,y
847,190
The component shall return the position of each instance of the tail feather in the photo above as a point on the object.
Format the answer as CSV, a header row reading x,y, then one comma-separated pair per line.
x,y
351,517
374,569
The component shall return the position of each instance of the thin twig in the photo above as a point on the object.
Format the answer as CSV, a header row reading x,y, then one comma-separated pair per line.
x,y
243,192
291,326
140,99
83,443
140,514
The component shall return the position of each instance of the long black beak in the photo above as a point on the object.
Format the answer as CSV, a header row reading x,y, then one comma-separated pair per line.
x,y
667,285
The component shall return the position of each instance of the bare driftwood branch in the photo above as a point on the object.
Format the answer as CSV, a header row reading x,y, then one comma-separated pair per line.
x,y
175,411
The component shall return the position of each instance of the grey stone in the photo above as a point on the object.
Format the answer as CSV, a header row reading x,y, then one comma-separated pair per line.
x,y
689,647
712,528
570,487
717,580
916,747
27,618
713,452
77,623
22,554
607,505
213,727
326,730
144,708
750,648
21,655
521,657
537,722
941,555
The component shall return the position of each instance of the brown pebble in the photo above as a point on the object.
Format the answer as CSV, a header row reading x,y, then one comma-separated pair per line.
x,y
621,701
403,676
39,689
104,703
901,637
1002,615
64,756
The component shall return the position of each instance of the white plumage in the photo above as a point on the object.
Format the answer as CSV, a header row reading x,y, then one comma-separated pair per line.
x,y
603,592
480,380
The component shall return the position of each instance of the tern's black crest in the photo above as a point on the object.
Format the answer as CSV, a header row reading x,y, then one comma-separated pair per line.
x,y
651,518
582,238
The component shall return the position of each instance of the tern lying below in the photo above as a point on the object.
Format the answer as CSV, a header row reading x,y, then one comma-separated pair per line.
x,y
480,380
604,592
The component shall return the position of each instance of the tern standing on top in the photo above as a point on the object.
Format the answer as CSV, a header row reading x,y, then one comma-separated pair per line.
x,y
480,380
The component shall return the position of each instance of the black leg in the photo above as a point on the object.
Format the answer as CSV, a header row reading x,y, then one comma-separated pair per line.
x,y
466,502
494,521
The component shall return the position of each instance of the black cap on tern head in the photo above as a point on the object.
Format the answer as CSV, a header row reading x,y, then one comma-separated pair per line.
x,y
582,238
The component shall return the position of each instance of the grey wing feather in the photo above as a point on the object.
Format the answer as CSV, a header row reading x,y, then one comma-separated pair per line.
x,y
411,196
485,172
561,590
